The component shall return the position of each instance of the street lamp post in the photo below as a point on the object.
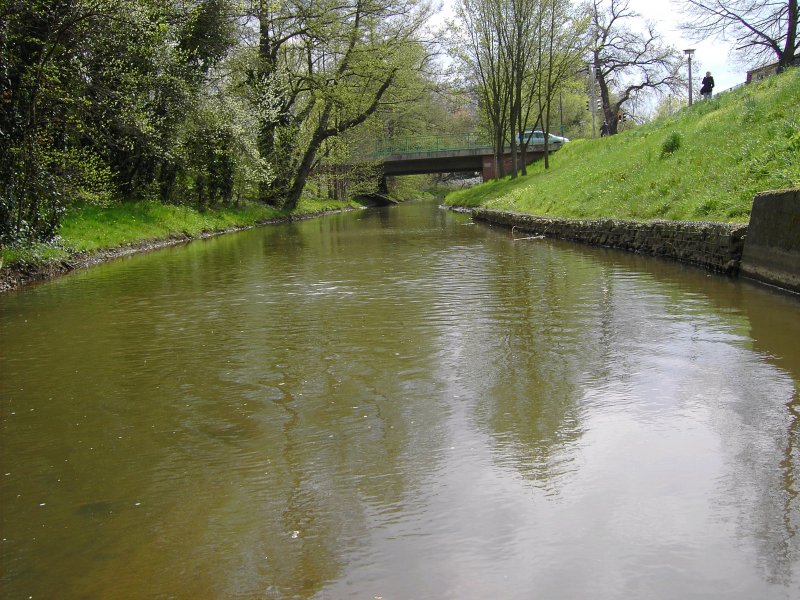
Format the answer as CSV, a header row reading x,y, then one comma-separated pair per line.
x,y
592,81
689,54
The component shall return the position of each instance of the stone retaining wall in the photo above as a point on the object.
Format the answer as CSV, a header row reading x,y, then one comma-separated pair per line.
x,y
714,246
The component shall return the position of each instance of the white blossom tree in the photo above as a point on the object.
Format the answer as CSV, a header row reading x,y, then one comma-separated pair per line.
x,y
325,66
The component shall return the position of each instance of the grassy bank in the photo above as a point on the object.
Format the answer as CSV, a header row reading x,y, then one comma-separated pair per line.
x,y
91,229
704,163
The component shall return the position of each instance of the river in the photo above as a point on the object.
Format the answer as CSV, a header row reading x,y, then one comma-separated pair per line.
x,y
398,404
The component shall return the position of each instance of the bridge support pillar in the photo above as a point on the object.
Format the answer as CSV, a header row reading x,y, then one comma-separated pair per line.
x,y
489,170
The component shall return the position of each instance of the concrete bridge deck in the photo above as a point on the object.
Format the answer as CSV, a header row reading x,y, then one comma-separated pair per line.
x,y
465,160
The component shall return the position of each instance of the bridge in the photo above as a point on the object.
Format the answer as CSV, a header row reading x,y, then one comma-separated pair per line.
x,y
460,153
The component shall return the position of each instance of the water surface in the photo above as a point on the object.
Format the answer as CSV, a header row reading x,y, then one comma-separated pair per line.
x,y
398,403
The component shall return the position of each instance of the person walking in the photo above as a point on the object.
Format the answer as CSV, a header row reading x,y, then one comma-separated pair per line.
x,y
708,85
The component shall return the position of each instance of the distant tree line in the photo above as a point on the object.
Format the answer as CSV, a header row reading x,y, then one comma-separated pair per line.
x,y
522,54
518,56
211,102
201,101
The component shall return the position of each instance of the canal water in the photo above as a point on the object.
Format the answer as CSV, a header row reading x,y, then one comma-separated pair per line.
x,y
398,404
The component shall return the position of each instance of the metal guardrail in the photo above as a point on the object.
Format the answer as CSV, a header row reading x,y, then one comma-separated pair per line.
x,y
430,143
730,89
434,143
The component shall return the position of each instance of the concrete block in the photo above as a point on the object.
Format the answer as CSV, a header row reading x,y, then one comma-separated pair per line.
x,y
772,247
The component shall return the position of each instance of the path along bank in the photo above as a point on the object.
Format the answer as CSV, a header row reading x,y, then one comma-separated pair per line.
x,y
767,249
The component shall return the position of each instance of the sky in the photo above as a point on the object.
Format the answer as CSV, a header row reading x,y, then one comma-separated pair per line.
x,y
710,55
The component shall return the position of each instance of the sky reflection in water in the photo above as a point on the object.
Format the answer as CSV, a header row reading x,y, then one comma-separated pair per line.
x,y
396,403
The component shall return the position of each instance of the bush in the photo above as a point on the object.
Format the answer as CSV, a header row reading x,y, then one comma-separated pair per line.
x,y
211,163
671,145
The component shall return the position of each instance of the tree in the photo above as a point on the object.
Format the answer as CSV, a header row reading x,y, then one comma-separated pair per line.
x,y
423,104
186,99
763,29
669,105
520,24
429,104
149,73
96,95
40,97
325,67
560,49
519,54
479,47
627,63
504,50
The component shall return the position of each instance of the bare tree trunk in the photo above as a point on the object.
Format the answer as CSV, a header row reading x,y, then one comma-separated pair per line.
x,y
788,55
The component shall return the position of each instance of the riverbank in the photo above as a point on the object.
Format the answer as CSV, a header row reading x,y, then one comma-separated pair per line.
x,y
704,163
680,187
766,250
93,235
713,246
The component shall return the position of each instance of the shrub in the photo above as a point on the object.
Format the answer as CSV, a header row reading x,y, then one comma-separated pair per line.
x,y
671,144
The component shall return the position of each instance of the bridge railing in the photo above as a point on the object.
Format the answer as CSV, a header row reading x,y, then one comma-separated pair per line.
x,y
430,143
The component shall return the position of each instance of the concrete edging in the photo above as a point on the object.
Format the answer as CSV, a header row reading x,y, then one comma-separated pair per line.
x,y
772,252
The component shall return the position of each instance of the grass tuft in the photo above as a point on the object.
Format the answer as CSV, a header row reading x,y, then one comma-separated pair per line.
x,y
671,145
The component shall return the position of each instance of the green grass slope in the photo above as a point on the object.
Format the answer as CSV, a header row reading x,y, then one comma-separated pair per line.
x,y
704,163
89,229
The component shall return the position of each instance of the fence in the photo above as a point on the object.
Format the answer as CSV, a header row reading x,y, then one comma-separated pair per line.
x,y
430,143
